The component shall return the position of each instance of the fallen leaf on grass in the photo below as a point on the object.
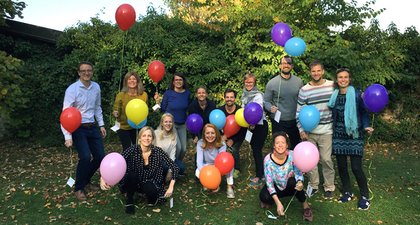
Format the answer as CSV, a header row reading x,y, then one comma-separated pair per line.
x,y
107,218
156,210
259,223
186,222
379,222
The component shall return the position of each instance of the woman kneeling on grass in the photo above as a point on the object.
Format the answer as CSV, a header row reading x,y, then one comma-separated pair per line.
x,y
144,172
207,150
282,177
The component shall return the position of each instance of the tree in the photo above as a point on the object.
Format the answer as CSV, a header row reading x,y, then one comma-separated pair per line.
x,y
9,9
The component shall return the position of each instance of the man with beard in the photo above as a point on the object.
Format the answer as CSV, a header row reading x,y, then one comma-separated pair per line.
x,y
280,98
317,93
234,143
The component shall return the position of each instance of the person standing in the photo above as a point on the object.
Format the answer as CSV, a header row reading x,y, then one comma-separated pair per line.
x,y
351,120
317,93
176,101
280,97
259,130
201,106
85,95
132,89
234,142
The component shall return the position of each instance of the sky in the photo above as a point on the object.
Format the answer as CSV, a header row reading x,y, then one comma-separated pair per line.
x,y
60,14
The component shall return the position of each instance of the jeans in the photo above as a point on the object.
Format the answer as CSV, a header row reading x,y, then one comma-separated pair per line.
x,y
290,128
324,145
259,135
236,155
127,138
181,142
356,167
90,148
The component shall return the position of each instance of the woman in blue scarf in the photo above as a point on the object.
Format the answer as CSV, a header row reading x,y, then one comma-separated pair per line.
x,y
350,121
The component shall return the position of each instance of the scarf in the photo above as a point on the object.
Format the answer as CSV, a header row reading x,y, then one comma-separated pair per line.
x,y
247,96
350,111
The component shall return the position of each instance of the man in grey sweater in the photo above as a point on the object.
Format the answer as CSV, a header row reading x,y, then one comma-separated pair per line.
x,y
280,100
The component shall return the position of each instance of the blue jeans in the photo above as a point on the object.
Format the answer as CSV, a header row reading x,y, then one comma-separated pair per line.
x,y
90,148
181,142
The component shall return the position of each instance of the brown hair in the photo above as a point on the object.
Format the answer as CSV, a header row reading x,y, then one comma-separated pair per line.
x,y
140,88
217,142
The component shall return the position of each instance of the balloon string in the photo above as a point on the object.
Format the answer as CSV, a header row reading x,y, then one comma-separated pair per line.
x,y
373,121
290,202
369,179
71,160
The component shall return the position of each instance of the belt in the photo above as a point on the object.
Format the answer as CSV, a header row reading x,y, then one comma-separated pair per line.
x,y
88,125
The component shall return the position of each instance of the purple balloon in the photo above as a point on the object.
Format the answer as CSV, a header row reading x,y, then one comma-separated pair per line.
x,y
194,123
280,33
375,98
253,113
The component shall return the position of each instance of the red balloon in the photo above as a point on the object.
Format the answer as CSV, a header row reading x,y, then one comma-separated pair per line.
x,y
125,16
70,119
210,177
224,162
156,70
231,127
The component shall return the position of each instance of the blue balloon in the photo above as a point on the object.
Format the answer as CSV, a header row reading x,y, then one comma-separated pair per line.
x,y
295,46
138,126
217,118
309,117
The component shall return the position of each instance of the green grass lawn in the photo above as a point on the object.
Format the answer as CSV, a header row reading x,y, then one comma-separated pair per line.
x,y
33,191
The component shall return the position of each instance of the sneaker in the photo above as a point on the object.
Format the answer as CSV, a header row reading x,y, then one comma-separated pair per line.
x,y
80,195
255,182
328,195
364,203
230,193
346,197
307,214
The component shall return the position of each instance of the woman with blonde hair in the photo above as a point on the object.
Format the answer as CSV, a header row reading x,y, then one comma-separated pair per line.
x,y
207,150
132,89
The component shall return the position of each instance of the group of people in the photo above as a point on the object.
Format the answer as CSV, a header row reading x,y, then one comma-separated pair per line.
x,y
155,157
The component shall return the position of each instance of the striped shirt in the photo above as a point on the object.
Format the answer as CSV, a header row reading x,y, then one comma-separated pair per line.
x,y
317,96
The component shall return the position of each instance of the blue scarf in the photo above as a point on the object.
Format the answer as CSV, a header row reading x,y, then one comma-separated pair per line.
x,y
350,111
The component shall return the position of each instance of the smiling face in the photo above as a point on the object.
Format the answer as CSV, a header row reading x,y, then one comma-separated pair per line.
x,y
132,82
230,99
167,123
286,65
343,79
210,135
280,144
146,138
201,94
85,72
249,83
178,82
317,73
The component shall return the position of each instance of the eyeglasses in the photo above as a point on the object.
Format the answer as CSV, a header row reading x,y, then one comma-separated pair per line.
x,y
286,63
85,71
178,80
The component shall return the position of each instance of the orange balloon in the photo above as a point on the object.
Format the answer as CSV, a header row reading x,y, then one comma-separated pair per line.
x,y
156,70
210,177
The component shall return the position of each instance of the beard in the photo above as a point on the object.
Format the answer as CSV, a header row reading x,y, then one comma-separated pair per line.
x,y
286,72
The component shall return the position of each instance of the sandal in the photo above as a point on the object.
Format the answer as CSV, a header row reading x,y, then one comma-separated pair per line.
x,y
307,214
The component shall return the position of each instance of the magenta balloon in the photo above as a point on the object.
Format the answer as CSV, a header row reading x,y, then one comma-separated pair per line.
x,y
305,156
280,33
113,167
253,113
194,123
375,98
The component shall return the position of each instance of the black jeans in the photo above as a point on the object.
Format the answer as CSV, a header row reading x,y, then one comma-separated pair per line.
x,y
127,138
148,188
290,128
265,196
259,135
356,167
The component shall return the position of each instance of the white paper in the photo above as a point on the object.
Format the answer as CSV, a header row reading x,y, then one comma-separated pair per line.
x,y
277,116
115,127
70,182
248,136
171,203
309,191
156,107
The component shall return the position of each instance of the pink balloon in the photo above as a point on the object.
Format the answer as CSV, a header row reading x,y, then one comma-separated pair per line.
x,y
305,156
113,167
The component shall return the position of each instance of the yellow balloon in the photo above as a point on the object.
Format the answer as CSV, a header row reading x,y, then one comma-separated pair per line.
x,y
136,111
240,119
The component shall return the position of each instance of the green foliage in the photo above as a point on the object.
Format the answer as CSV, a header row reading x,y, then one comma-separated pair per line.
x,y
10,9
